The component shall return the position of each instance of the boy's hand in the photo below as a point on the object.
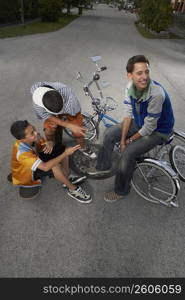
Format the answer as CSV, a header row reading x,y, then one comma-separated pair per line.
x,y
77,130
48,148
71,150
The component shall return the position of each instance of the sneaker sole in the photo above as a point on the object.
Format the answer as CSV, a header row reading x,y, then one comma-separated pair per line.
x,y
112,201
81,201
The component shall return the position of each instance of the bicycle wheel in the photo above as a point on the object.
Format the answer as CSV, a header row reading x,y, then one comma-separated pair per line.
x,y
154,183
80,163
177,159
90,125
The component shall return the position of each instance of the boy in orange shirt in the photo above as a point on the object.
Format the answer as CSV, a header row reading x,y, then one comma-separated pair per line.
x,y
32,159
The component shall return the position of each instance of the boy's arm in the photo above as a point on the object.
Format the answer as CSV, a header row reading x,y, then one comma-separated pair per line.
x,y
154,110
44,144
74,128
125,128
127,119
50,134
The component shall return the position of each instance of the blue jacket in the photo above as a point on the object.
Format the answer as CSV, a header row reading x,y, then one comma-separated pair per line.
x,y
151,112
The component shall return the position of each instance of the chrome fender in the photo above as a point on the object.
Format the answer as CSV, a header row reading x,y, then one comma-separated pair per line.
x,y
179,133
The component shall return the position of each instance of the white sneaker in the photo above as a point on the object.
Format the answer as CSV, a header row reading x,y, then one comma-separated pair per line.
x,y
80,195
88,152
75,179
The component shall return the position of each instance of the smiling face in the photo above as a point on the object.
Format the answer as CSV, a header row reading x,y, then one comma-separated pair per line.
x,y
140,75
30,135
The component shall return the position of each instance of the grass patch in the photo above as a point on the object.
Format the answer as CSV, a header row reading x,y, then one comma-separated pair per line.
x,y
36,27
147,34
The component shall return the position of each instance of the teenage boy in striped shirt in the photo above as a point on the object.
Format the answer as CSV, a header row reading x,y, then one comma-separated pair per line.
x,y
58,106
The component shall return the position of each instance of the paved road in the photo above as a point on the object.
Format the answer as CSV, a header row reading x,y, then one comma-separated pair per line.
x,y
54,236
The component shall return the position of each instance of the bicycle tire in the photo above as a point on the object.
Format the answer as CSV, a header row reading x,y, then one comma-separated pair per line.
x,y
177,160
90,125
80,163
153,183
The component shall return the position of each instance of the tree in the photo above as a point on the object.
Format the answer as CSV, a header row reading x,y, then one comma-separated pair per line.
x,y
22,11
137,3
9,11
31,8
76,3
156,14
50,10
164,18
68,5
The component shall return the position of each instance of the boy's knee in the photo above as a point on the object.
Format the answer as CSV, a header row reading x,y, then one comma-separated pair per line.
x,y
111,136
108,138
113,133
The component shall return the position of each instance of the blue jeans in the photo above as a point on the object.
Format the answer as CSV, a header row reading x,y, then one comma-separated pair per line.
x,y
128,156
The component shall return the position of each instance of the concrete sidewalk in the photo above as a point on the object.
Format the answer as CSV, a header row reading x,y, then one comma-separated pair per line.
x,y
53,235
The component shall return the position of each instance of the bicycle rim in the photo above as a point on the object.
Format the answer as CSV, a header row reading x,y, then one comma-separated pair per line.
x,y
177,158
153,183
80,163
91,127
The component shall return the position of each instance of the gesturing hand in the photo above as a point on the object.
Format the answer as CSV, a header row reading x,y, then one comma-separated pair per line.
x,y
71,150
48,147
77,130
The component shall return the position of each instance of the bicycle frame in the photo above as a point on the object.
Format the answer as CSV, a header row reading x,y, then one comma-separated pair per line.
x,y
100,109
104,117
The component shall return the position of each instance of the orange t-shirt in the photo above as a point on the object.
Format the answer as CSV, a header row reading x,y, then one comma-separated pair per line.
x,y
24,162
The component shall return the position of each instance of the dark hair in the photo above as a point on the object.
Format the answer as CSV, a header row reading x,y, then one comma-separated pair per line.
x,y
18,129
53,101
135,59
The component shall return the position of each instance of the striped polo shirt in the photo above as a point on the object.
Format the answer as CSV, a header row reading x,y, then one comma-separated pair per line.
x,y
71,104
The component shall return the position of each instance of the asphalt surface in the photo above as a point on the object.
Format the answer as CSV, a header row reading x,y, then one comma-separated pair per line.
x,y
54,235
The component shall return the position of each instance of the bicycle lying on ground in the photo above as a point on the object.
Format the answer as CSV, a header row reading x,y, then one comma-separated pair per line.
x,y
156,174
